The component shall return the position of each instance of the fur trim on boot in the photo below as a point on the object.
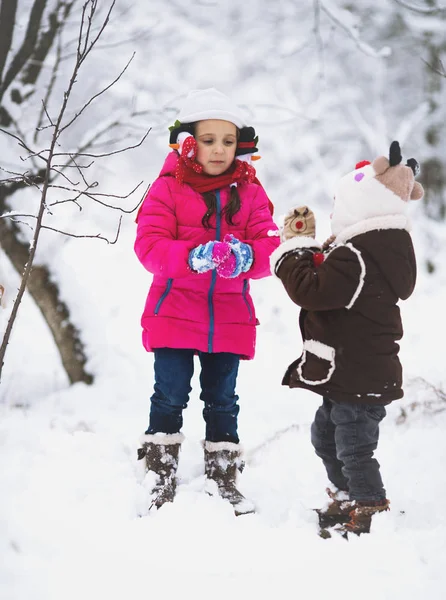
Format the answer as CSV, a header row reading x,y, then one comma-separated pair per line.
x,y
361,516
337,511
222,460
161,452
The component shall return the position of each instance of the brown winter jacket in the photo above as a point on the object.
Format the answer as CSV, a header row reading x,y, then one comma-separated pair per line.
x,y
350,321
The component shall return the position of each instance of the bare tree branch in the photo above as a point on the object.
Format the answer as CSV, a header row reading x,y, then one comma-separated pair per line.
x,y
106,153
363,46
44,192
88,46
66,166
23,179
19,140
10,180
50,86
80,171
87,104
97,236
13,215
118,44
422,9
62,174
439,70
47,115
93,195
88,144
17,177
38,278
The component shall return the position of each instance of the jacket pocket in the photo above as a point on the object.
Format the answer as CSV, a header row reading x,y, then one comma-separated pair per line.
x,y
245,289
163,296
376,411
317,363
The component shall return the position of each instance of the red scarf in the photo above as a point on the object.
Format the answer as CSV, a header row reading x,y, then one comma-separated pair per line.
x,y
238,172
191,173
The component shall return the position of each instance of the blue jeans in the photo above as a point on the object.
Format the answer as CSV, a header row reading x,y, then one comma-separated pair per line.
x,y
345,436
173,373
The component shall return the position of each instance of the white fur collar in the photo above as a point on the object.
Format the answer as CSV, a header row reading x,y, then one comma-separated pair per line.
x,y
387,222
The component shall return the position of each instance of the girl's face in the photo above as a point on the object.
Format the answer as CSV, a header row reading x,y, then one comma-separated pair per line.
x,y
217,141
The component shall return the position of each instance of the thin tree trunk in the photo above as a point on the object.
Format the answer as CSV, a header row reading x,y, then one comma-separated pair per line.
x,y
7,21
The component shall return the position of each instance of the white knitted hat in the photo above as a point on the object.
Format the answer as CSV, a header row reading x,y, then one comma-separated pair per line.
x,y
210,104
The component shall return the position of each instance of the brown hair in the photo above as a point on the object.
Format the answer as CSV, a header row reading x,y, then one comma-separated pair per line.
x,y
232,207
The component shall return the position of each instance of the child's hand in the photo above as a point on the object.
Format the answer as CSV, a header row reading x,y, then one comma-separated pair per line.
x,y
221,252
239,260
227,267
201,259
213,255
230,257
299,222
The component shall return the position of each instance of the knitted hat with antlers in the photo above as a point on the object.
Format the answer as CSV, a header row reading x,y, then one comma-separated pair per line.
x,y
376,189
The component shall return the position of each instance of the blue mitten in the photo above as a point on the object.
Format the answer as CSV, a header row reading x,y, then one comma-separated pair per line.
x,y
200,258
243,254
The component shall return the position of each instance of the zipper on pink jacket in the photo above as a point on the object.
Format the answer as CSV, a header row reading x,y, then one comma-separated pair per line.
x,y
214,277
163,297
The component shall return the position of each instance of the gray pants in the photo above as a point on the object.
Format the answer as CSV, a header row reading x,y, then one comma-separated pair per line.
x,y
345,436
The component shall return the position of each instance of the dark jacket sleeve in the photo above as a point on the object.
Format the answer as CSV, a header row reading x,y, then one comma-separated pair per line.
x,y
332,285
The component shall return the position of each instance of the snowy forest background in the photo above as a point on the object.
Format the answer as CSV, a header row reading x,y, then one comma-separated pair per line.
x,y
325,83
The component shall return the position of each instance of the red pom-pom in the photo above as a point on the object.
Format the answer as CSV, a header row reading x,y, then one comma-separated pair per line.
x,y
363,163
318,258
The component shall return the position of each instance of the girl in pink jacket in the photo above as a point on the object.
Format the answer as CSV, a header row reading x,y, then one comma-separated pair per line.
x,y
204,229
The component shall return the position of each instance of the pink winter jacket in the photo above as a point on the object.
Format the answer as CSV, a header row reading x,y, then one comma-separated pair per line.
x,y
203,311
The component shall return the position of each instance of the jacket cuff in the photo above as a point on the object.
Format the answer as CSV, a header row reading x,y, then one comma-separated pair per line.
x,y
291,246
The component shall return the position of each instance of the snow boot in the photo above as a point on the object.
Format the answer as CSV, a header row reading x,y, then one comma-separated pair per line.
x,y
361,515
222,460
161,452
337,511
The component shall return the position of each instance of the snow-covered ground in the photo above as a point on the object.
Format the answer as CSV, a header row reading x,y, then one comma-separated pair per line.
x,y
73,503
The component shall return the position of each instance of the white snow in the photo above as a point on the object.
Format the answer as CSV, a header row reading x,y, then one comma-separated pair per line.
x,y
74,521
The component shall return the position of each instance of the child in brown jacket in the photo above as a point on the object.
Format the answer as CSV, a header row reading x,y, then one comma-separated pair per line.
x,y
350,324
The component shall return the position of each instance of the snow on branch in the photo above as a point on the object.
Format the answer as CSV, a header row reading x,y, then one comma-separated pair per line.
x,y
440,69
422,9
337,17
424,398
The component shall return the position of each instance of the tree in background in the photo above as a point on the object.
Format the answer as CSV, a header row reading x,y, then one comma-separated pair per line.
x,y
414,90
325,83
25,121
